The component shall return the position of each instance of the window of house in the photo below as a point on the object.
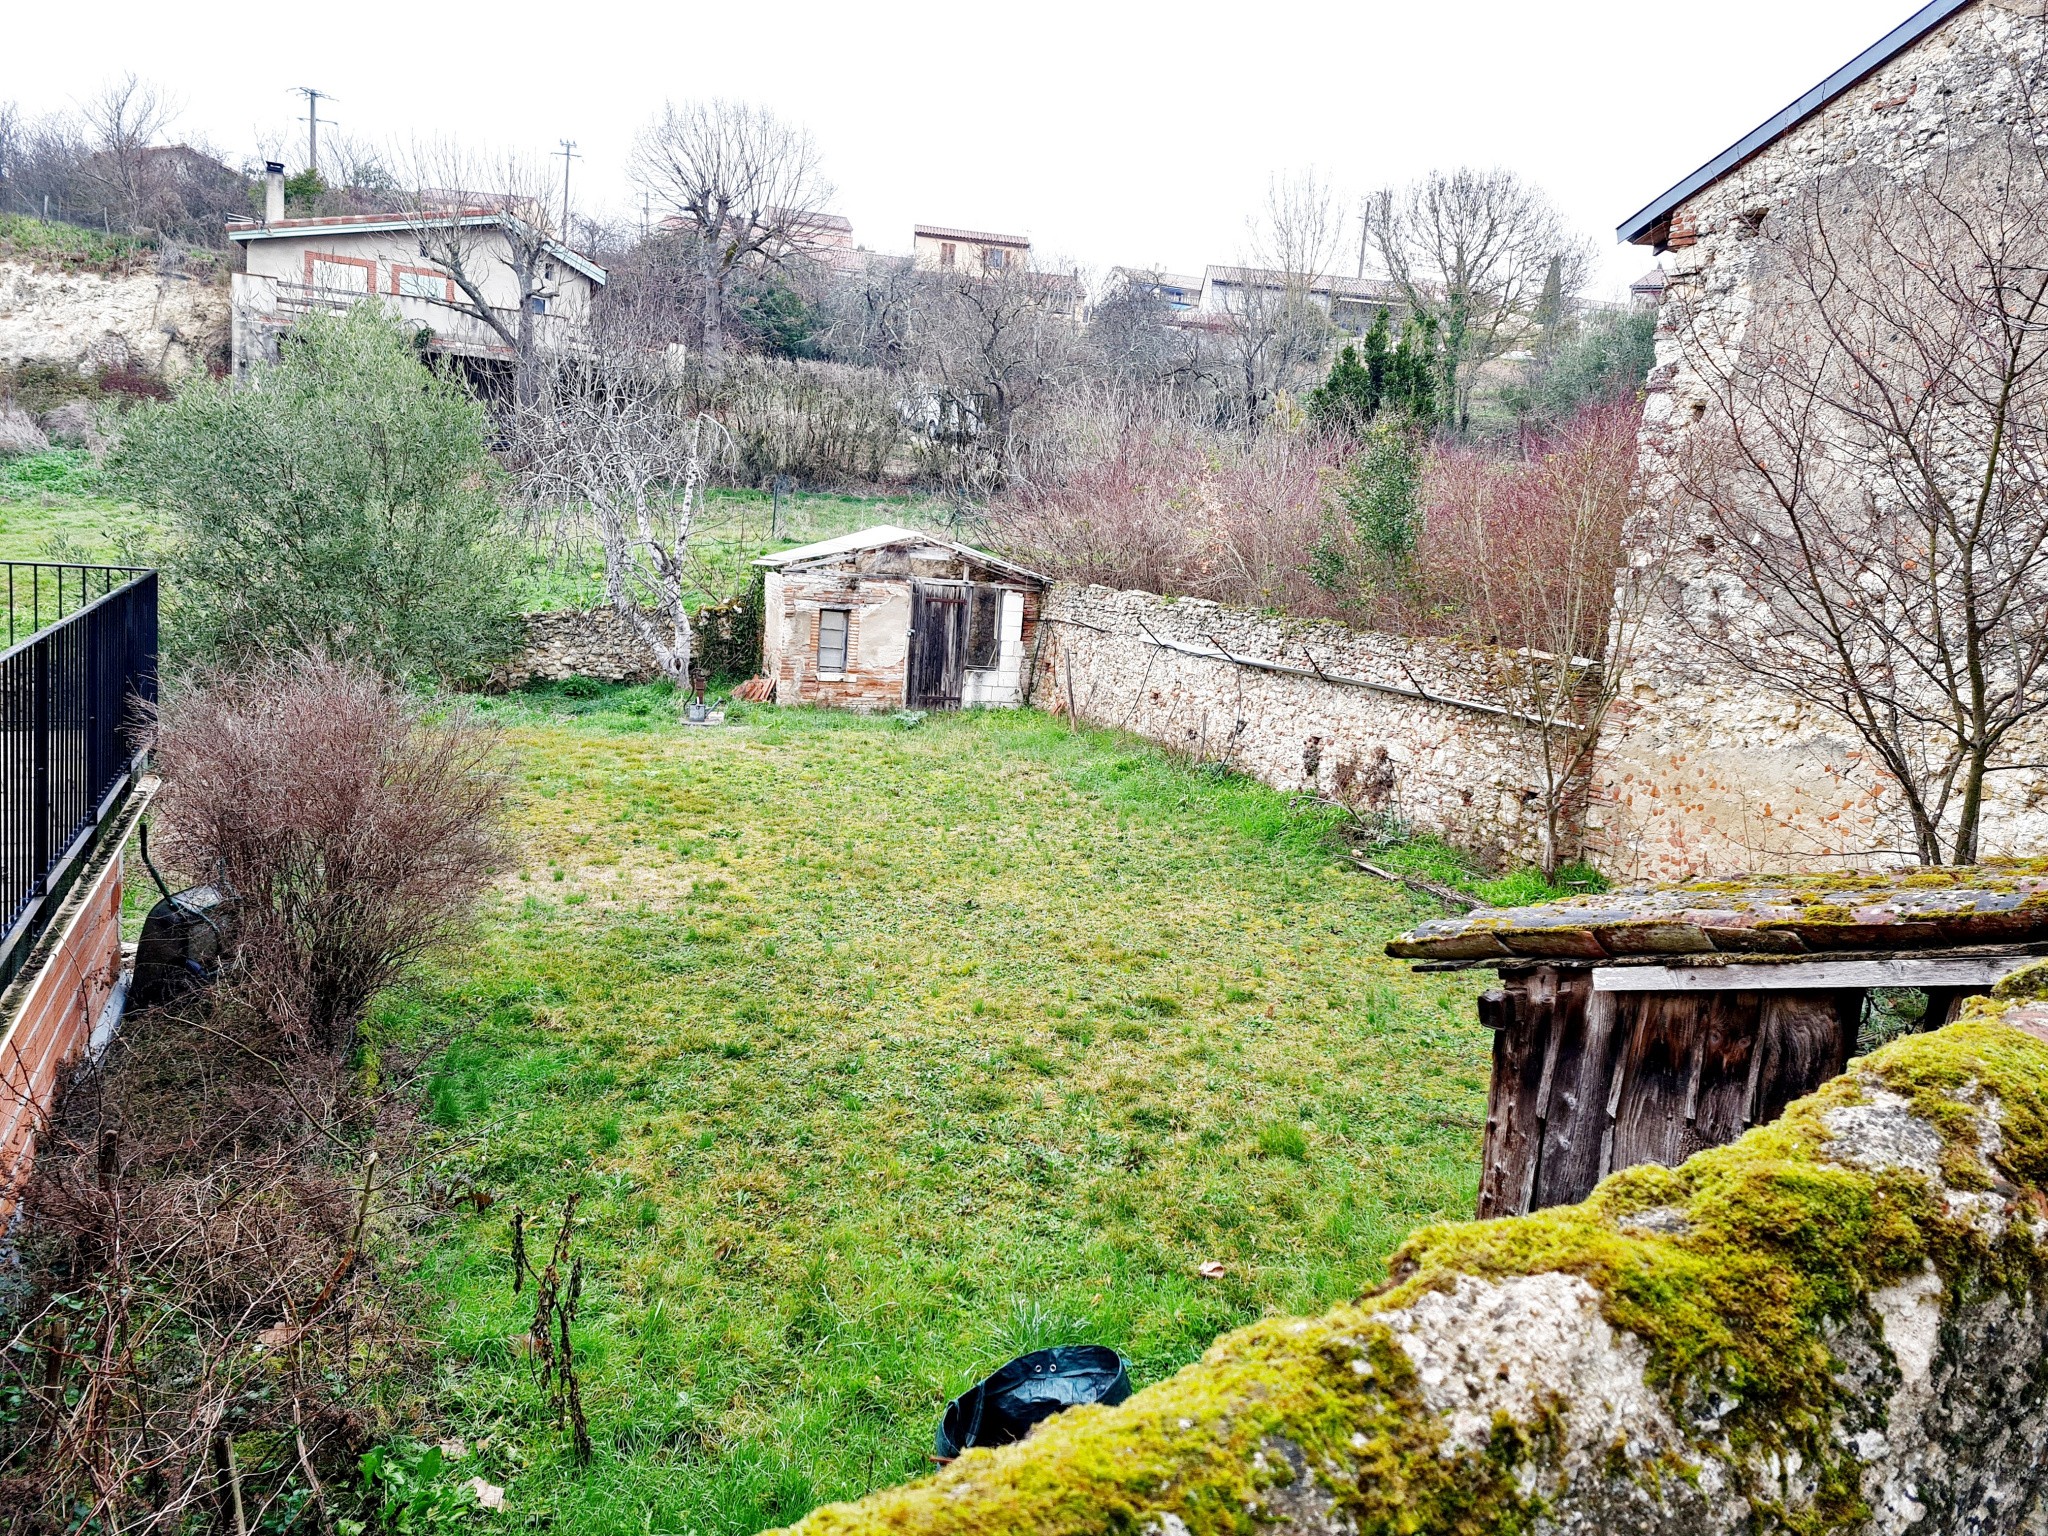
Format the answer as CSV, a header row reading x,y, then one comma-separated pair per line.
x,y
537,304
833,625
984,626
992,259
422,285
343,276
947,252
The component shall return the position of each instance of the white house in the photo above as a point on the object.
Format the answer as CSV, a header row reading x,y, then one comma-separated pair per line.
x,y
295,266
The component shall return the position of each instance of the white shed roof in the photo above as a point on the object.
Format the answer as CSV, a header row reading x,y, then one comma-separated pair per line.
x,y
880,537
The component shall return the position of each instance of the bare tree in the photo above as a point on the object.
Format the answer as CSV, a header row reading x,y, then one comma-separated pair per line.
x,y
742,186
1871,467
1527,555
1476,251
123,123
609,444
1276,326
991,348
478,219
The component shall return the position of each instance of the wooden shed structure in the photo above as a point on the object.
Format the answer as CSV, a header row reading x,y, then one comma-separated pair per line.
x,y
890,618
1642,1026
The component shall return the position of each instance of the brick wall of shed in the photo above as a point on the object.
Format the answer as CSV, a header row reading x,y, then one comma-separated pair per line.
x,y
870,599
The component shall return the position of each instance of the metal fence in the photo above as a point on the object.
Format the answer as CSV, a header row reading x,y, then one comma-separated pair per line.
x,y
76,698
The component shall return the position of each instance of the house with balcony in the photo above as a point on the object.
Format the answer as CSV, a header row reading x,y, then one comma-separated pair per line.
x,y
296,266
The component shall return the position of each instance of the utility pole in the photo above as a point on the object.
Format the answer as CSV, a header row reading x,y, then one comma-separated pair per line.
x,y
313,99
568,153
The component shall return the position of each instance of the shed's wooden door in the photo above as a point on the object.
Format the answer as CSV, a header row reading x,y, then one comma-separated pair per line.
x,y
938,644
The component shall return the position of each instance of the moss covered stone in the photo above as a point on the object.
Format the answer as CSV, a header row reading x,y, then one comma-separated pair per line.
x,y
1834,1323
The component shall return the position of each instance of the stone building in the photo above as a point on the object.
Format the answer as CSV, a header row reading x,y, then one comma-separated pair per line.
x,y
1702,772
889,618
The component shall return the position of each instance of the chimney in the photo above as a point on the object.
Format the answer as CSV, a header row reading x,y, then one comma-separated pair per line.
x,y
273,191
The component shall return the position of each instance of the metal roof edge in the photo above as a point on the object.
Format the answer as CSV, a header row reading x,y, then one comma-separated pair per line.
x,y
847,544
1871,59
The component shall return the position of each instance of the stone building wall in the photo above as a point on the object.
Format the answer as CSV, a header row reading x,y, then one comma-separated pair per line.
x,y
1701,773
1429,743
167,323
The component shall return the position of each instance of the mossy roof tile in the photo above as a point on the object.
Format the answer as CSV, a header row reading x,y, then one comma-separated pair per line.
x,y
1999,903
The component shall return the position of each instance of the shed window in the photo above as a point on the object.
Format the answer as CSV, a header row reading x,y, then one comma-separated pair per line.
x,y
833,624
984,626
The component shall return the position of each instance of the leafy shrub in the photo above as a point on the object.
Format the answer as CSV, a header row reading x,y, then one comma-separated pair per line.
x,y
344,500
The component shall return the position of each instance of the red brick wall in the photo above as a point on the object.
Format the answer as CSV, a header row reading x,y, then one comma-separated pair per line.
x,y
53,1010
863,687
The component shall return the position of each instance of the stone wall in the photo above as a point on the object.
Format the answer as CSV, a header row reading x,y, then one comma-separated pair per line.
x,y
599,643
1700,773
1429,740
1837,1323
167,323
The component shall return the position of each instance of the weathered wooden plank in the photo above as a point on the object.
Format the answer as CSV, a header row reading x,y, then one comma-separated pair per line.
x,y
1577,1115
1809,975
1520,1043
1808,1036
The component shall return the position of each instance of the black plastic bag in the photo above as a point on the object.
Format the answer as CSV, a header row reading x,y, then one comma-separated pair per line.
x,y
1031,1388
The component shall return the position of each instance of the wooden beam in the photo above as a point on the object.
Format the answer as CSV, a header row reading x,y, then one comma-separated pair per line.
x,y
1808,975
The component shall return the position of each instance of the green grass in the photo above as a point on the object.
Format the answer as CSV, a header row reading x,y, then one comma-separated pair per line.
x,y
738,526
52,508
1434,859
66,245
880,1055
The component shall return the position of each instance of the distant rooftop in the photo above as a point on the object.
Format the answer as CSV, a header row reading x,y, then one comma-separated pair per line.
x,y
1756,919
380,223
977,236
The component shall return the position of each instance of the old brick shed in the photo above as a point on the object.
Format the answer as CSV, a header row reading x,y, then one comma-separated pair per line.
x,y
890,618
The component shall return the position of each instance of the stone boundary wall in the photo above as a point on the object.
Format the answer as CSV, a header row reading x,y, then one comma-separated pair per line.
x,y
578,642
1836,1323
599,643
1458,769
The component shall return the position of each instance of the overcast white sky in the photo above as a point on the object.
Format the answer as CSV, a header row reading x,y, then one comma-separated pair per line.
x,y
1109,133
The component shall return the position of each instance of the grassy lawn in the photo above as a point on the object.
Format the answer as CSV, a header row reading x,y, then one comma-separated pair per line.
x,y
52,507
878,1055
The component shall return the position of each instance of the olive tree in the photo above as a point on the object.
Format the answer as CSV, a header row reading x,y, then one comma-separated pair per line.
x,y
343,501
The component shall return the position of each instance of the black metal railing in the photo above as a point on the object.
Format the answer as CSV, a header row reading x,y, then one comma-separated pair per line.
x,y
77,694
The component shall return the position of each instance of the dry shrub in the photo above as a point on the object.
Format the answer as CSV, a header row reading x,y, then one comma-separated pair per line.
x,y
353,832
822,423
1522,548
198,1338
197,1321
1136,493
